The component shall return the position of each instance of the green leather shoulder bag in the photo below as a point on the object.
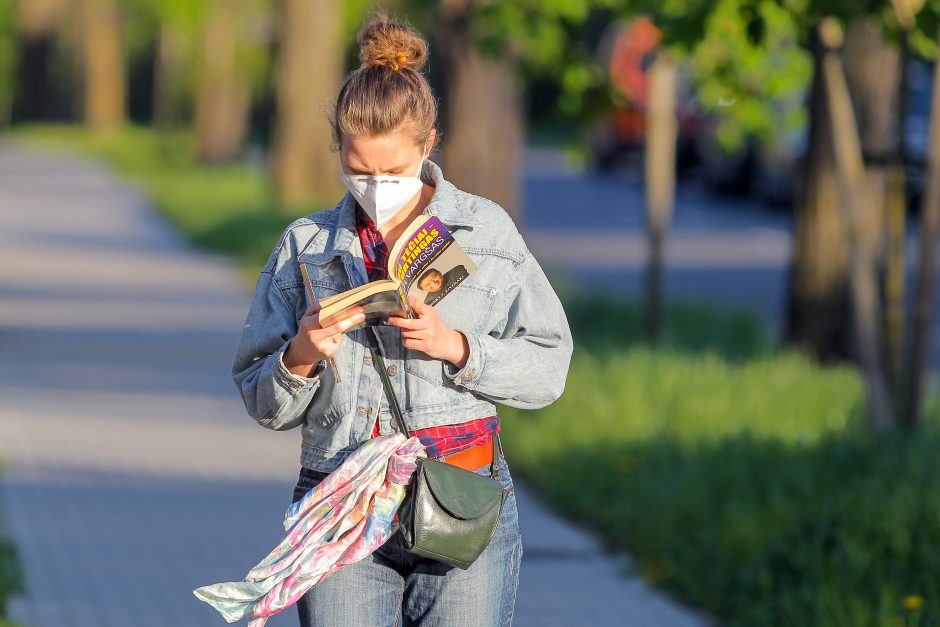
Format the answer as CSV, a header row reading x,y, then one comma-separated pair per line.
x,y
449,514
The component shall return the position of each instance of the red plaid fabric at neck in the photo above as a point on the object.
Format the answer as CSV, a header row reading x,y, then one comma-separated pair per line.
x,y
438,441
374,249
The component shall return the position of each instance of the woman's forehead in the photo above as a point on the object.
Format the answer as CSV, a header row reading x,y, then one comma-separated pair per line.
x,y
380,152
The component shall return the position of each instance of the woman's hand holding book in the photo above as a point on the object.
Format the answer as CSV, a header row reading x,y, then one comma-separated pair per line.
x,y
315,342
429,334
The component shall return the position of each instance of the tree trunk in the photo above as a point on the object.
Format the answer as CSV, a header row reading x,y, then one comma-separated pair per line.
x,y
103,64
168,89
857,209
819,312
926,268
873,71
222,93
660,175
35,20
819,302
303,166
484,119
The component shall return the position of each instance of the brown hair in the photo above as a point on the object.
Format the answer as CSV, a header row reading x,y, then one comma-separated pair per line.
x,y
388,89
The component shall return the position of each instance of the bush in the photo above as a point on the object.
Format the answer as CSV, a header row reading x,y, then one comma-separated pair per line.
x,y
743,482
604,325
11,575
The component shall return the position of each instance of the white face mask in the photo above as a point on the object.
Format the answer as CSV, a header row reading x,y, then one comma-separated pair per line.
x,y
381,197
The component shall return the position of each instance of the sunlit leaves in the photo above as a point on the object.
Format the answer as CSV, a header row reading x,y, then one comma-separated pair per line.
x,y
751,84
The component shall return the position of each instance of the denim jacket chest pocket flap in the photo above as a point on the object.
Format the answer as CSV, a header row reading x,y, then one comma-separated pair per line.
x,y
327,268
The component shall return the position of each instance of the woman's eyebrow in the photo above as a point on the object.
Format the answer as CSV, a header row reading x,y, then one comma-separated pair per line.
x,y
355,170
397,168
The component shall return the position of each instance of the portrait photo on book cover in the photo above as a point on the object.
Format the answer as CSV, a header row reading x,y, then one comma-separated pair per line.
x,y
443,275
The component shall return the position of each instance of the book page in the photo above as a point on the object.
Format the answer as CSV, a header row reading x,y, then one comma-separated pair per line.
x,y
377,308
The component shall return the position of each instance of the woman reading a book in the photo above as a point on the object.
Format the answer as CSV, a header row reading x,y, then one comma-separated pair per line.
x,y
499,336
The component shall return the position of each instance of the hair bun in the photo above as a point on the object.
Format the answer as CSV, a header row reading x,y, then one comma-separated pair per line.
x,y
392,44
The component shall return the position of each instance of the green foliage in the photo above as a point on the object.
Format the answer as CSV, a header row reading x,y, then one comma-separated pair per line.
x,y
748,60
144,20
603,325
229,209
12,577
556,40
739,478
751,70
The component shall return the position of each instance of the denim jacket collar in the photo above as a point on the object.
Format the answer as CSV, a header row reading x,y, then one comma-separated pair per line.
x,y
446,203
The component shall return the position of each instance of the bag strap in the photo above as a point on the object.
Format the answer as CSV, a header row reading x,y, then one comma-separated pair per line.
x,y
389,390
379,361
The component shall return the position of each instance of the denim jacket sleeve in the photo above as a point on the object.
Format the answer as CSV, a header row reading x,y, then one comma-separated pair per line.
x,y
527,364
273,396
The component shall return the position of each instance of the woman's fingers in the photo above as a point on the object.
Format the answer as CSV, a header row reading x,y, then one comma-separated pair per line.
x,y
338,317
312,309
418,306
408,323
343,325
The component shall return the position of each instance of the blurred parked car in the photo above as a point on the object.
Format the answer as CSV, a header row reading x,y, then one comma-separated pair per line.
x,y
619,139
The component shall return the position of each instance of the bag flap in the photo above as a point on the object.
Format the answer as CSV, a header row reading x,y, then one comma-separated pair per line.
x,y
464,494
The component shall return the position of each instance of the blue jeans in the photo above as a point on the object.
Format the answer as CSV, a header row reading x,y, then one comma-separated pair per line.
x,y
394,587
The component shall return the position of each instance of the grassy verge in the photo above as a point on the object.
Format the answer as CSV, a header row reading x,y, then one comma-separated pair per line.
x,y
12,577
738,476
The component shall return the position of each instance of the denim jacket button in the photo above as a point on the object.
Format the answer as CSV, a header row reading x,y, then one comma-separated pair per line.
x,y
471,373
392,371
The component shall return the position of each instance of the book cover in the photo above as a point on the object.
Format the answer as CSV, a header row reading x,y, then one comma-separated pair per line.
x,y
425,262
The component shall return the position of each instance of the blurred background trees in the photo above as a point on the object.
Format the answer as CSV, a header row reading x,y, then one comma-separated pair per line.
x,y
742,92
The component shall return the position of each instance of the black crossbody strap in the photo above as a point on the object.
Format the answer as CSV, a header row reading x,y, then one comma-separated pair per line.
x,y
389,391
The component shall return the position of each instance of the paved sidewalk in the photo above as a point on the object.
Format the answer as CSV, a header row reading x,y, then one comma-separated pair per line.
x,y
133,474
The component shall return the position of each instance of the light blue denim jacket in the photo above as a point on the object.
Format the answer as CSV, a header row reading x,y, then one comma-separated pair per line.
x,y
520,344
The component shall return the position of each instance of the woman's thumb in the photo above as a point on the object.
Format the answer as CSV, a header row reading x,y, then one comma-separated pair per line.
x,y
417,304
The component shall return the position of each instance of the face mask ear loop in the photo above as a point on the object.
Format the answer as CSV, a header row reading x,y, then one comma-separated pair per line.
x,y
425,155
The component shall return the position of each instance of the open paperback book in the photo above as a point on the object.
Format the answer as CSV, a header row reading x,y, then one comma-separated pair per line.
x,y
425,262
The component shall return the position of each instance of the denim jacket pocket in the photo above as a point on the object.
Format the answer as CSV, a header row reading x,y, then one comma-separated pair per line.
x,y
466,308
327,275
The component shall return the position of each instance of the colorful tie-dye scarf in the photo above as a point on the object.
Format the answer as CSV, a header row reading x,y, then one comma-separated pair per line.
x,y
350,514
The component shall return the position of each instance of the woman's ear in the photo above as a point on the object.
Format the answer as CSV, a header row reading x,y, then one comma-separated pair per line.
x,y
431,143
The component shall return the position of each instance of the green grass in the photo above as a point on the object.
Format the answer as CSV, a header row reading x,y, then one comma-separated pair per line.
x,y
604,326
739,477
12,576
229,209
12,579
